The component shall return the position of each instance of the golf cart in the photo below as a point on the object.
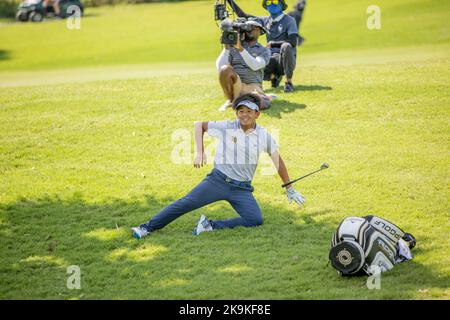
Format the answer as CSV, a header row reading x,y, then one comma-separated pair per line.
x,y
34,10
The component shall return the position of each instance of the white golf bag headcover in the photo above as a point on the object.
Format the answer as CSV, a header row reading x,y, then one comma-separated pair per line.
x,y
360,243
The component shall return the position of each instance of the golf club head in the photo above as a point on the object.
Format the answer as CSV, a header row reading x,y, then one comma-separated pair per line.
x,y
324,166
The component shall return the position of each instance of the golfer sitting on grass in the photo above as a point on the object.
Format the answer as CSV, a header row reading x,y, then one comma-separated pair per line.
x,y
240,143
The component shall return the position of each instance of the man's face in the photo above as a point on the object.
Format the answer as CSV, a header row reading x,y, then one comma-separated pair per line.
x,y
274,6
247,116
253,34
256,32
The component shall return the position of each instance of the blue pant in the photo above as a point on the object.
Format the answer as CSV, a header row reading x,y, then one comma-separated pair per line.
x,y
212,188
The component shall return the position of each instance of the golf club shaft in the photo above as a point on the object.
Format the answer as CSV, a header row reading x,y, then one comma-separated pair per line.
x,y
295,180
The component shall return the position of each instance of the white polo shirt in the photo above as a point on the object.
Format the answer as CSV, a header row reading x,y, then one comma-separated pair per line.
x,y
237,153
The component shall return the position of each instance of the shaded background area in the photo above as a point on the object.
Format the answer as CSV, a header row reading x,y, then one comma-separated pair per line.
x,y
4,54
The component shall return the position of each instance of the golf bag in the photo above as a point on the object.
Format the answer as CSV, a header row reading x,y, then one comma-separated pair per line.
x,y
361,243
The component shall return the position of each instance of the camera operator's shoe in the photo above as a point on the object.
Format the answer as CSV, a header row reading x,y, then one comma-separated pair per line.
x,y
226,105
203,225
288,87
139,232
276,81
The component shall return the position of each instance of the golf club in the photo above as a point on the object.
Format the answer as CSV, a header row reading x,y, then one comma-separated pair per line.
x,y
322,167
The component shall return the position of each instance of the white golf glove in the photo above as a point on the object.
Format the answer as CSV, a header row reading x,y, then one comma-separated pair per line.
x,y
294,195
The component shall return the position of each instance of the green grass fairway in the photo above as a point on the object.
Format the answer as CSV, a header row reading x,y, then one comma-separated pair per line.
x,y
90,119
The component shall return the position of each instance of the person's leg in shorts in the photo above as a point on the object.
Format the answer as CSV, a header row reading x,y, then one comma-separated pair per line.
x,y
231,85
56,7
46,3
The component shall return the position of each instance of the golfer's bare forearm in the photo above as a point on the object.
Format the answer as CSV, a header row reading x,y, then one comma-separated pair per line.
x,y
283,173
199,129
281,168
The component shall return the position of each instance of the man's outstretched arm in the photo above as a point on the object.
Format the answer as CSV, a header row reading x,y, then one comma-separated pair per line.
x,y
240,13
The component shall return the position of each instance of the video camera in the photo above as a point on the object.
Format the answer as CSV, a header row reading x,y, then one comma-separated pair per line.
x,y
230,28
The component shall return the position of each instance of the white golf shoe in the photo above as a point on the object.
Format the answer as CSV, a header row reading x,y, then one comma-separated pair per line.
x,y
226,105
139,232
203,225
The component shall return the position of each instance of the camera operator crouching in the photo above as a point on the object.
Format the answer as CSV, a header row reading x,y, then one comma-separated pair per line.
x,y
242,61
282,38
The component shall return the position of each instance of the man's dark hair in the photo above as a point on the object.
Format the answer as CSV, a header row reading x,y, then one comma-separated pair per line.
x,y
253,97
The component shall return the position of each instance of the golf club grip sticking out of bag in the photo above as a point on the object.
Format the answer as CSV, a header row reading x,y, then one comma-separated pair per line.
x,y
322,167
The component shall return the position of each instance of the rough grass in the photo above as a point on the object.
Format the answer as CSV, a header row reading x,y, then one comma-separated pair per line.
x,y
83,158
